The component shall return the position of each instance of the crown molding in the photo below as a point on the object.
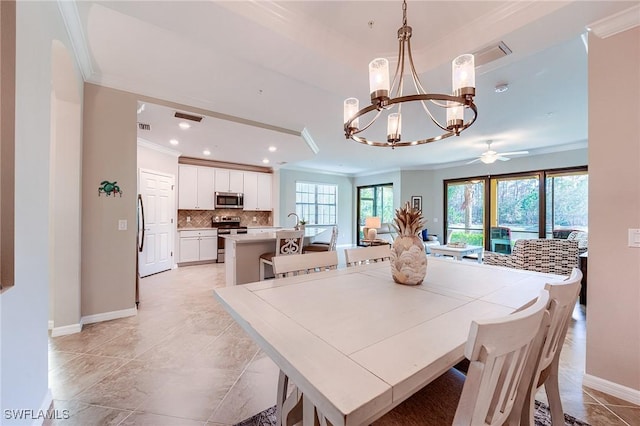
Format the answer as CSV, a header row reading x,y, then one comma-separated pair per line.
x,y
146,144
616,23
71,18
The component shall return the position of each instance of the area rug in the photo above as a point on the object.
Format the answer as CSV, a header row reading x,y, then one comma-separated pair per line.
x,y
542,417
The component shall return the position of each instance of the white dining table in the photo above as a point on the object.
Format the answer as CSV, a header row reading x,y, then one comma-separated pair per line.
x,y
356,344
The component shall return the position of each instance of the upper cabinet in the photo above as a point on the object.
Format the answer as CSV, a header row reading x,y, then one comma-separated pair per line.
x,y
195,187
257,191
229,180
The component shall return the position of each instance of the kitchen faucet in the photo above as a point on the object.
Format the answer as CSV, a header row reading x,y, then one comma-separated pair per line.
x,y
297,227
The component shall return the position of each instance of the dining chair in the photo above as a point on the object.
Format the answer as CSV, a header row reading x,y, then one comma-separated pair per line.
x,y
502,351
322,245
372,254
287,243
302,264
562,299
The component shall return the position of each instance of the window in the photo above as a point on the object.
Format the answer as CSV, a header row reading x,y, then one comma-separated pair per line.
x,y
517,205
465,212
495,211
567,201
317,203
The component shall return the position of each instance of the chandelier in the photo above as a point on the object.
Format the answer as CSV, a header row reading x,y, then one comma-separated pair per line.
x,y
463,76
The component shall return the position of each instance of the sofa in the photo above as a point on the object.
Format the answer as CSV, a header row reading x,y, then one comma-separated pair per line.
x,y
582,238
554,256
387,233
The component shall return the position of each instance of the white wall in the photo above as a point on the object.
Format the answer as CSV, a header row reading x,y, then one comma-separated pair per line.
x,y
158,161
287,192
24,308
64,193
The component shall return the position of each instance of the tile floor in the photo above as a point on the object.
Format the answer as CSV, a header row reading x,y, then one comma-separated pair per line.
x,y
183,361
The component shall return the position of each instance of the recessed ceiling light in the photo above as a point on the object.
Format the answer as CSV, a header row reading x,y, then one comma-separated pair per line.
x,y
174,142
206,152
184,125
265,161
272,149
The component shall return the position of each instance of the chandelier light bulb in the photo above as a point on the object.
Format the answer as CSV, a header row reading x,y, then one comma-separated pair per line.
x,y
463,75
394,127
379,78
455,116
351,106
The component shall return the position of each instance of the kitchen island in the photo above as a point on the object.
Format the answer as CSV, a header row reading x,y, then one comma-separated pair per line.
x,y
242,253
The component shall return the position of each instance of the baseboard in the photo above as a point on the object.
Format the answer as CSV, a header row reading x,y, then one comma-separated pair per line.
x,y
44,408
611,388
67,329
107,316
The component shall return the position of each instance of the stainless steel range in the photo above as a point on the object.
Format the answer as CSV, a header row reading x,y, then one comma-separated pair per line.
x,y
226,225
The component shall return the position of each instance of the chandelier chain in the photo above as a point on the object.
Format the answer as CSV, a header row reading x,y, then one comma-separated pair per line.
x,y
404,13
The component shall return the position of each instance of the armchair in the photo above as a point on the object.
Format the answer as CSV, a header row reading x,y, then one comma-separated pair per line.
x,y
541,255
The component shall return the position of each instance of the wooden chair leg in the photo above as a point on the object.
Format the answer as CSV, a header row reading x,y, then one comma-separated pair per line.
x,y
552,389
262,265
283,383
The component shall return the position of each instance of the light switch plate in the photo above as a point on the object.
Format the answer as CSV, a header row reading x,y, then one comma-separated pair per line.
x,y
122,225
634,237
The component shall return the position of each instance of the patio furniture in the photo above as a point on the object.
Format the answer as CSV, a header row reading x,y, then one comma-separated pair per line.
x,y
500,239
541,255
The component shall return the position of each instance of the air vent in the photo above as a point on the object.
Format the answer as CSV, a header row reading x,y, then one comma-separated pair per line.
x,y
491,53
187,116
144,126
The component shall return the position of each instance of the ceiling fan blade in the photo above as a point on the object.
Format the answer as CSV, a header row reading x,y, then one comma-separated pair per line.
x,y
514,153
502,158
473,161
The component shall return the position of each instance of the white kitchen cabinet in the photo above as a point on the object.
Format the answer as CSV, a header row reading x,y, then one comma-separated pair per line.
x,y
198,245
195,187
209,248
257,191
189,249
229,180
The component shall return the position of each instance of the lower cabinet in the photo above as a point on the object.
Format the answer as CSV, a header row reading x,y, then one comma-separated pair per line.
x,y
196,246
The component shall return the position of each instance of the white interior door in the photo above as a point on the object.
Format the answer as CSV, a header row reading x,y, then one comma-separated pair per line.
x,y
158,204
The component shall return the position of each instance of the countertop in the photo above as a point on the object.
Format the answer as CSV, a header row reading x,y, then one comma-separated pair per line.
x,y
266,236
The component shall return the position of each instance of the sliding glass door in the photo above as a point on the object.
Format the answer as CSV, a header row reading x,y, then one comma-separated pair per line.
x,y
465,212
517,205
374,200
567,203
495,211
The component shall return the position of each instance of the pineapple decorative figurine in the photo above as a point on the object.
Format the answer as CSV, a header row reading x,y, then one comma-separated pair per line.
x,y
408,257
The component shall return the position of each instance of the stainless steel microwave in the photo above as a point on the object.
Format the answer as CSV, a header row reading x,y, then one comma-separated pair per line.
x,y
229,200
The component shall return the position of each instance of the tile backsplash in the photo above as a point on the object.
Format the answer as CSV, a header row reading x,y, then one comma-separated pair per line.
x,y
202,218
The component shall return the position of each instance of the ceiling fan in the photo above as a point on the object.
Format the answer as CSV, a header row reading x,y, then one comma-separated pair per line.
x,y
490,156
